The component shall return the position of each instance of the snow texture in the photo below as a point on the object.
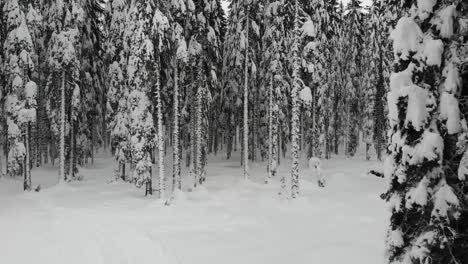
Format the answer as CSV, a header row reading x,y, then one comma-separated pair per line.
x,y
407,37
226,221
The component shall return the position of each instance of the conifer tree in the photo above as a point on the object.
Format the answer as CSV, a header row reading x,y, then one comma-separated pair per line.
x,y
273,58
140,65
181,11
63,61
20,101
354,37
116,109
426,202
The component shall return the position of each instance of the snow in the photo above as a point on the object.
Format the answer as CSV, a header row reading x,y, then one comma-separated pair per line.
x,y
179,5
160,21
228,220
416,112
463,168
394,203
306,95
426,7
17,83
449,106
418,195
419,249
13,130
401,79
450,111
446,24
182,50
429,148
194,47
452,79
433,49
26,115
444,200
309,29
30,90
396,238
407,37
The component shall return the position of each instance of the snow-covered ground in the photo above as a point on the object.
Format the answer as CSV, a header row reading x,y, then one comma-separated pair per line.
x,y
226,221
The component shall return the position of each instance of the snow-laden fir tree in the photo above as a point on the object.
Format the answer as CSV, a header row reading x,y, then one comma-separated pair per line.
x,y
160,25
180,18
118,116
273,59
140,67
295,104
326,74
232,76
354,38
117,93
63,62
205,56
34,19
378,70
241,60
294,17
245,138
369,88
427,137
20,102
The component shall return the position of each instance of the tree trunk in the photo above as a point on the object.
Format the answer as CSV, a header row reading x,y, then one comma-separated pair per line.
x,y
270,132
71,173
27,165
175,141
6,147
246,102
62,176
295,111
199,128
160,136
367,151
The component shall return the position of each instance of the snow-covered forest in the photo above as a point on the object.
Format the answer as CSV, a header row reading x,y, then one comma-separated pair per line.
x,y
242,131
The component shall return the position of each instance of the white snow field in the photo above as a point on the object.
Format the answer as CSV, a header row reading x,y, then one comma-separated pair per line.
x,y
228,220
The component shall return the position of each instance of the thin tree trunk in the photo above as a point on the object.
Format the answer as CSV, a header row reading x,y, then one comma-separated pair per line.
x,y
160,136
270,132
72,148
6,147
176,145
62,176
1,161
27,165
236,137
199,132
314,135
295,112
246,102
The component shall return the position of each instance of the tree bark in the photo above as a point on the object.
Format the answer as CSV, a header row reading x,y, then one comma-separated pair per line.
x,y
62,176
246,101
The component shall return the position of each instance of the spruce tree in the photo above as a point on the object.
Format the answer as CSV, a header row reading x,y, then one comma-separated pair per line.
x,y
21,90
427,205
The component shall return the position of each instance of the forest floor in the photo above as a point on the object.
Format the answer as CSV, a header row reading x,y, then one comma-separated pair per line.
x,y
228,220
